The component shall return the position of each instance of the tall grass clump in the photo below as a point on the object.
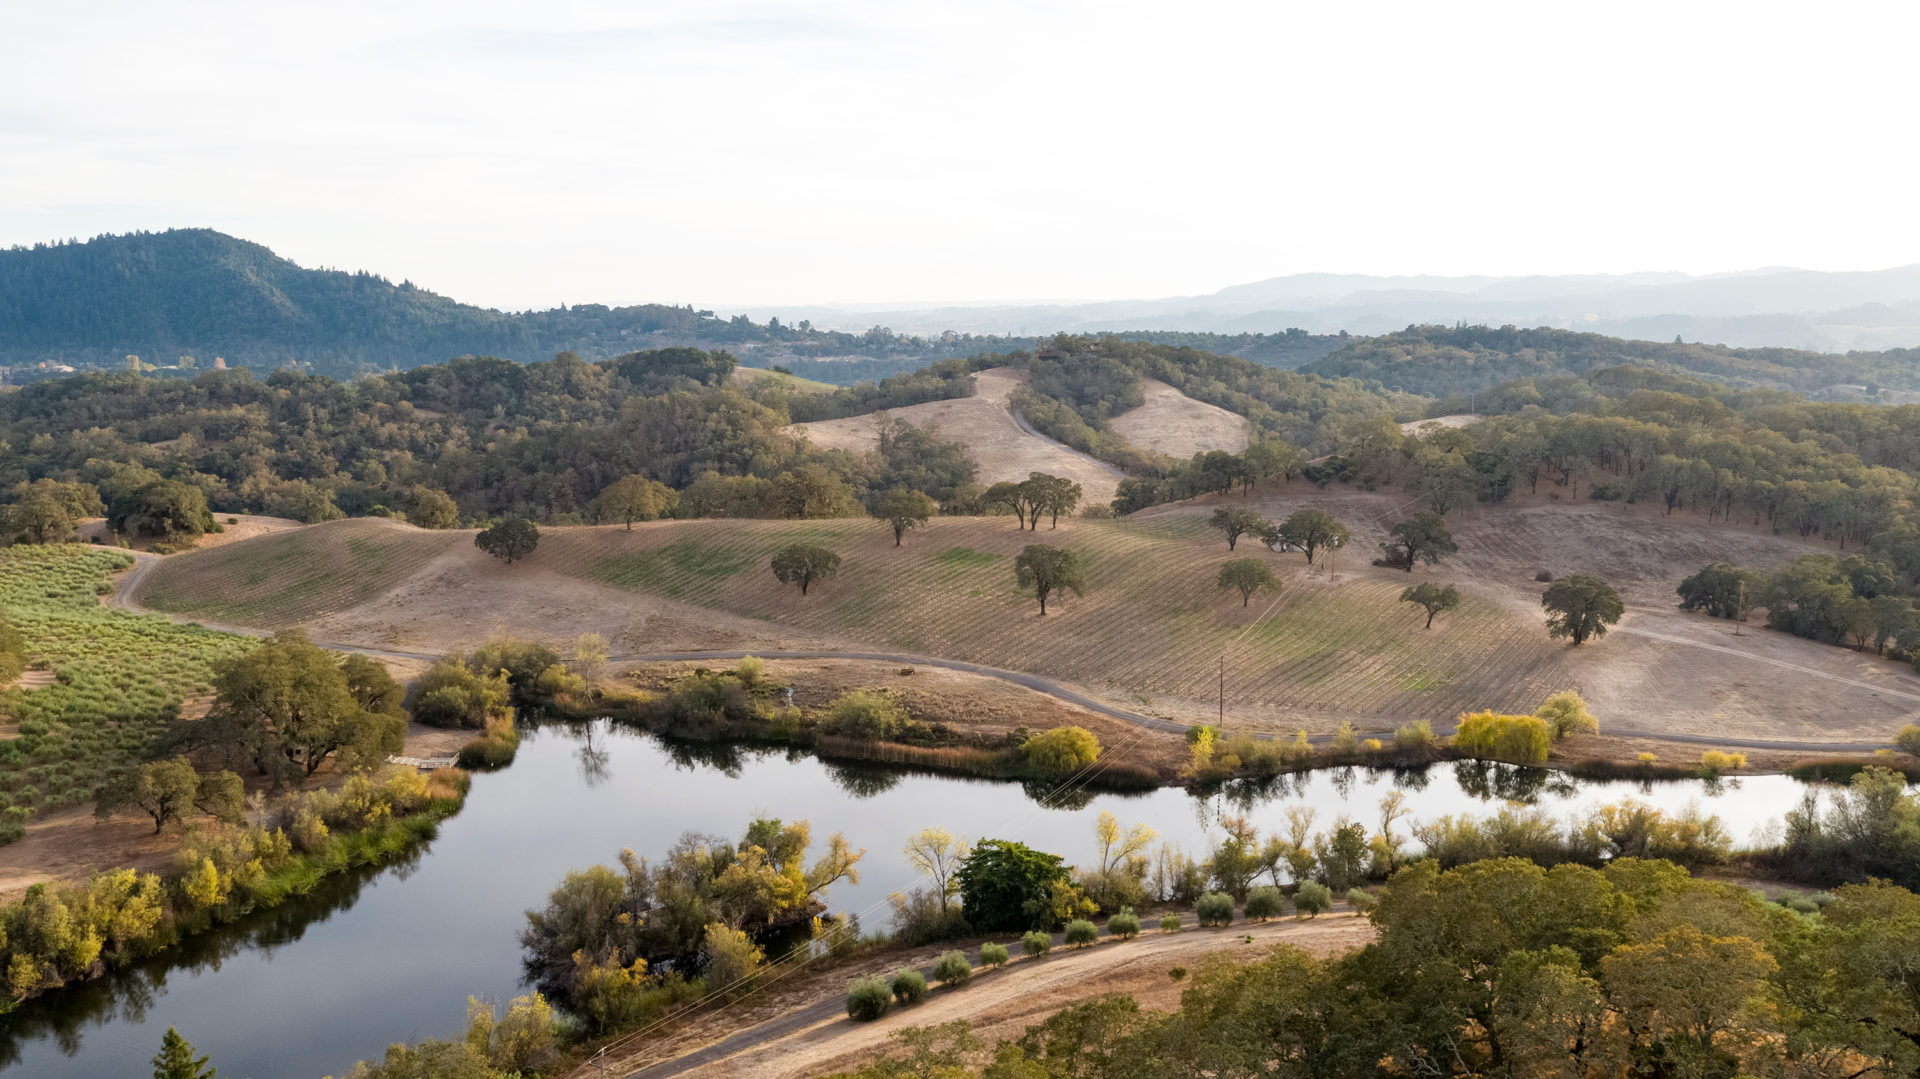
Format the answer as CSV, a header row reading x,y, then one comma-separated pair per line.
x,y
493,749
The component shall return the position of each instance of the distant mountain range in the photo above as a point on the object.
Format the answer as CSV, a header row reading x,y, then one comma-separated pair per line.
x,y
1787,308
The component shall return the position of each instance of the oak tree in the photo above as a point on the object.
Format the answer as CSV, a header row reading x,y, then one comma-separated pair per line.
x,y
803,564
1579,607
1041,570
1249,575
905,510
511,539
1434,597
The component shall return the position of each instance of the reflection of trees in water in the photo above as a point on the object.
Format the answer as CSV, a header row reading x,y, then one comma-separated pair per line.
x,y
1491,781
862,780
126,995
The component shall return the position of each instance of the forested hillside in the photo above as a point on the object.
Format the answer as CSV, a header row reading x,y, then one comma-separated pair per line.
x,y
1440,360
204,294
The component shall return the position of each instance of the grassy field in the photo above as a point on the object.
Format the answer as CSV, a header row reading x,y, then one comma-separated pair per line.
x,y
118,679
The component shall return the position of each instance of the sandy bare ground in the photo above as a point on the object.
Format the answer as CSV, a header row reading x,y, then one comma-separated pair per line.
x,y
802,1030
71,845
1458,419
1172,423
246,526
984,423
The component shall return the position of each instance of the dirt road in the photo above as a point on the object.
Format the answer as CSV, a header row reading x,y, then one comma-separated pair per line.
x,y
813,1036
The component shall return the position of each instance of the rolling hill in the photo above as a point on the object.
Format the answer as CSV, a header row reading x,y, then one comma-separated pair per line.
x,y
1151,631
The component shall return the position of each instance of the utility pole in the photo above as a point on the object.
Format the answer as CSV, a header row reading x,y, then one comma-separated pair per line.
x,y
1740,608
600,1060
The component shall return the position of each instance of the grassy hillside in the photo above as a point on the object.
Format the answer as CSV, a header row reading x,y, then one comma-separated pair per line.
x,y
1152,623
287,578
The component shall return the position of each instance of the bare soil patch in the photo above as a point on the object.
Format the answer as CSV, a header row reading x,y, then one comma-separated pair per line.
x,y
1458,419
71,845
983,423
1172,423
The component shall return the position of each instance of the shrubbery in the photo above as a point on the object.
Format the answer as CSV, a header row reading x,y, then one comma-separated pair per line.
x,y
1125,924
1081,933
868,999
993,955
1170,923
494,749
1264,902
1360,900
952,968
1214,908
1062,750
863,714
1312,898
1518,739
1036,943
909,986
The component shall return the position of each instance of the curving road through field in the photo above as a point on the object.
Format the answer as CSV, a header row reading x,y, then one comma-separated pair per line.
x,y
129,585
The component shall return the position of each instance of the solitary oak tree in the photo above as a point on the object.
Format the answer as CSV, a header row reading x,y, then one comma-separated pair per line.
x,y
905,510
1042,569
511,539
803,564
1311,530
1434,597
1236,523
1422,537
1249,575
1580,607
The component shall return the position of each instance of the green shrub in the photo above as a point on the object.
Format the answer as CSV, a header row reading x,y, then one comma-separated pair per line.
x,y
909,986
1214,908
1415,737
993,955
494,749
868,999
952,968
1360,900
1081,933
866,715
1125,924
1036,943
1177,973
1312,898
1265,902
1800,904
1170,923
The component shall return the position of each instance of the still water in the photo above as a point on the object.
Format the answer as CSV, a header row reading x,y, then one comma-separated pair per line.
x,y
391,954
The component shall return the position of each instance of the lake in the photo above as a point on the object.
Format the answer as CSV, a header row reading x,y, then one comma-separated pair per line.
x,y
391,954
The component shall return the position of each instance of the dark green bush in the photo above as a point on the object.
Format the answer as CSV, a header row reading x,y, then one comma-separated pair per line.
x,y
868,999
909,986
953,968
1214,908
1265,902
1312,898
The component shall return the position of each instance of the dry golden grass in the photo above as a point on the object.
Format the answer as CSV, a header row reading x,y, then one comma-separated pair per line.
x,y
983,423
1172,423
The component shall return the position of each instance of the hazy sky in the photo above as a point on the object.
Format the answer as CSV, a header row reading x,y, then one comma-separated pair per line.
x,y
524,154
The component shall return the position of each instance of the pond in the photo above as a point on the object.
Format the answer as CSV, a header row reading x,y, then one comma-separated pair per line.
x,y
392,954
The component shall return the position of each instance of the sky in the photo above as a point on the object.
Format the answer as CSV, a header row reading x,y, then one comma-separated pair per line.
x,y
522,155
